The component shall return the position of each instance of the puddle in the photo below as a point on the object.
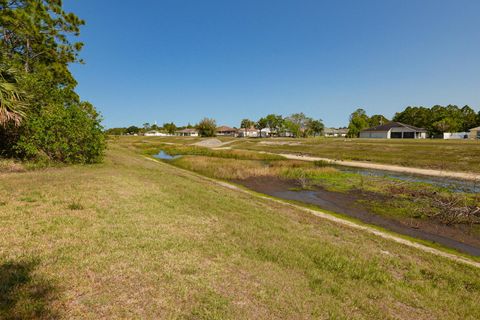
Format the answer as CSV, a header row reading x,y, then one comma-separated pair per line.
x,y
454,185
165,156
345,203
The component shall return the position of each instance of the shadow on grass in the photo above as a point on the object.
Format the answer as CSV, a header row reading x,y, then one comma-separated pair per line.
x,y
24,294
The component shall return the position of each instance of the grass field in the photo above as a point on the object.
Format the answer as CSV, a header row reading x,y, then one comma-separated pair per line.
x,y
431,154
133,238
451,155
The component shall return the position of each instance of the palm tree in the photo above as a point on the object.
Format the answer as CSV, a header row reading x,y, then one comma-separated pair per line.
x,y
12,99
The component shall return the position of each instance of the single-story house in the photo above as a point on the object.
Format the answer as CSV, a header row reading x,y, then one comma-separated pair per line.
x,y
226,131
155,133
265,133
474,133
394,130
334,132
247,133
455,135
187,133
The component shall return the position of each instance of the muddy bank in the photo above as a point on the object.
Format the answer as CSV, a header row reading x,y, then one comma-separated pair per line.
x,y
346,203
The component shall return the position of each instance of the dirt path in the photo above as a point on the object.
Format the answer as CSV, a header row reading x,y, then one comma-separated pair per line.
x,y
213,143
387,167
341,221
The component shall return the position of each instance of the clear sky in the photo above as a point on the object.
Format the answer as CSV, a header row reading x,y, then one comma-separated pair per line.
x,y
182,60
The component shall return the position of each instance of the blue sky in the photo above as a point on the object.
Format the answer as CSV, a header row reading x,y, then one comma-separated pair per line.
x,y
182,60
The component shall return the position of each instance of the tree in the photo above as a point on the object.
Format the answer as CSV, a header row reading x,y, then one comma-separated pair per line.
x,y
246,124
170,127
469,118
439,119
316,127
261,124
132,130
358,121
207,127
297,123
36,39
37,33
275,123
377,120
115,131
12,100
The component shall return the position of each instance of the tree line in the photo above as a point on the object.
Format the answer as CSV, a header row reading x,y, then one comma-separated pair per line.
x,y
296,125
436,120
41,115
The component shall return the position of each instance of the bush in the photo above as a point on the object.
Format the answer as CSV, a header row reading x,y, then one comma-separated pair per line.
x,y
70,134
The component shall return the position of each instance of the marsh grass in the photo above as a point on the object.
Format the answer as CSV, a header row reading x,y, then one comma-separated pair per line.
x,y
207,152
431,154
382,195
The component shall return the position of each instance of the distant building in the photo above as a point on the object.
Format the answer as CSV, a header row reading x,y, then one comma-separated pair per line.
x,y
265,133
394,130
187,133
226,131
155,133
247,133
334,132
455,135
474,133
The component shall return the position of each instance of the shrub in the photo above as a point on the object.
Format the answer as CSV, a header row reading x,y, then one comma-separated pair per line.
x,y
71,134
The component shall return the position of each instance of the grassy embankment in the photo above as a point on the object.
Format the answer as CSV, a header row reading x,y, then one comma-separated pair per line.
x,y
134,238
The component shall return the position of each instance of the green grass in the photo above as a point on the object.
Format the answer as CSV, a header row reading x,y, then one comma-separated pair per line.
x,y
153,241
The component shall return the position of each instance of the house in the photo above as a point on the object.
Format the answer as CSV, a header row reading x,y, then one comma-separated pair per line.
x,y
334,132
265,133
474,133
394,130
187,133
155,133
455,135
247,133
226,131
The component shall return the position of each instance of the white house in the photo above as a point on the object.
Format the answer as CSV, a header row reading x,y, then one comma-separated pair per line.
x,y
265,133
455,135
394,130
247,133
187,133
334,132
155,133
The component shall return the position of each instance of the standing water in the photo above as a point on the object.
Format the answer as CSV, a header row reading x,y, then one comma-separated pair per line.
x,y
165,156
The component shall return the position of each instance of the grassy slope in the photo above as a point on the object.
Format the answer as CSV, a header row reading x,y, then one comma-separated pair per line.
x,y
148,240
432,154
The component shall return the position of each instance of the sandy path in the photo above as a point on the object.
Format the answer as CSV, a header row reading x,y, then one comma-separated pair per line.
x,y
341,221
213,143
387,167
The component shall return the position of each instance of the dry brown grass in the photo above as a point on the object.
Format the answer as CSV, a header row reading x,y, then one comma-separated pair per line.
x,y
148,240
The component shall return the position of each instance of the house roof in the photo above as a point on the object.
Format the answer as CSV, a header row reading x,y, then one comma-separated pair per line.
x,y
225,129
393,124
187,130
475,129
